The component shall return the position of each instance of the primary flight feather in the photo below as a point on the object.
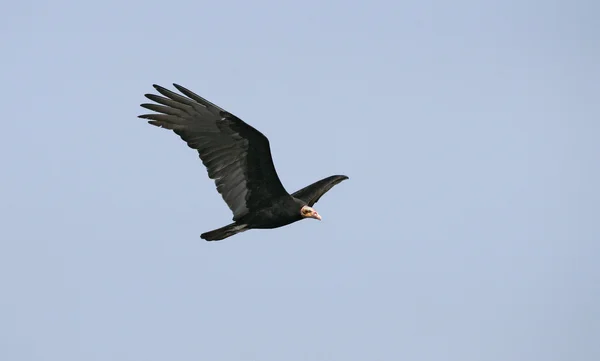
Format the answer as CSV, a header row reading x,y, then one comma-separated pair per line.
x,y
238,158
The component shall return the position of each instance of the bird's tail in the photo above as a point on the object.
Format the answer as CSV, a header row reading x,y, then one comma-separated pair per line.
x,y
224,232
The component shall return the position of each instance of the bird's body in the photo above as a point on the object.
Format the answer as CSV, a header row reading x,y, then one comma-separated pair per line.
x,y
283,211
238,158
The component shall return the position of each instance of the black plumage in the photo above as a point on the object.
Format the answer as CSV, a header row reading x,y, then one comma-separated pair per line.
x,y
238,158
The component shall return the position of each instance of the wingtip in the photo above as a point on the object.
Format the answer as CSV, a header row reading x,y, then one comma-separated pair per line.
x,y
158,87
181,88
155,123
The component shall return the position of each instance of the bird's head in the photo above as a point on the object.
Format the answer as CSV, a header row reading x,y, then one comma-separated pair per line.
x,y
309,212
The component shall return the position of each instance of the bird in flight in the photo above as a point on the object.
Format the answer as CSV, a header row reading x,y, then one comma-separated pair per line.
x,y
238,158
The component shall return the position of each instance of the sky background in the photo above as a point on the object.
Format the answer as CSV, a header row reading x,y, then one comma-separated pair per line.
x,y
469,228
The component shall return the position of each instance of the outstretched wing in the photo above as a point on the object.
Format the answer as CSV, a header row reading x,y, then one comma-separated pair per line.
x,y
236,156
311,194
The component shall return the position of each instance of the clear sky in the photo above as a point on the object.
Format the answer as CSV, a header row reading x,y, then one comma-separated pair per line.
x,y
469,228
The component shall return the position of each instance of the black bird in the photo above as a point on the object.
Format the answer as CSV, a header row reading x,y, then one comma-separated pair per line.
x,y
238,158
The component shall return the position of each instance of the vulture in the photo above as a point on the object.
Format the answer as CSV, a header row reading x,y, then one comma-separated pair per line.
x,y
238,159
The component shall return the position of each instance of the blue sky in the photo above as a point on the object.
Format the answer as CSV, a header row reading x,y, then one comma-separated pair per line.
x,y
468,229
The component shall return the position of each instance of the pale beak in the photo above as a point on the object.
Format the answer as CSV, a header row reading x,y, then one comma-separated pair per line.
x,y
317,216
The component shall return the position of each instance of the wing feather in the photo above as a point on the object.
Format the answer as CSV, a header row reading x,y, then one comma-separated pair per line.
x,y
236,156
164,109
